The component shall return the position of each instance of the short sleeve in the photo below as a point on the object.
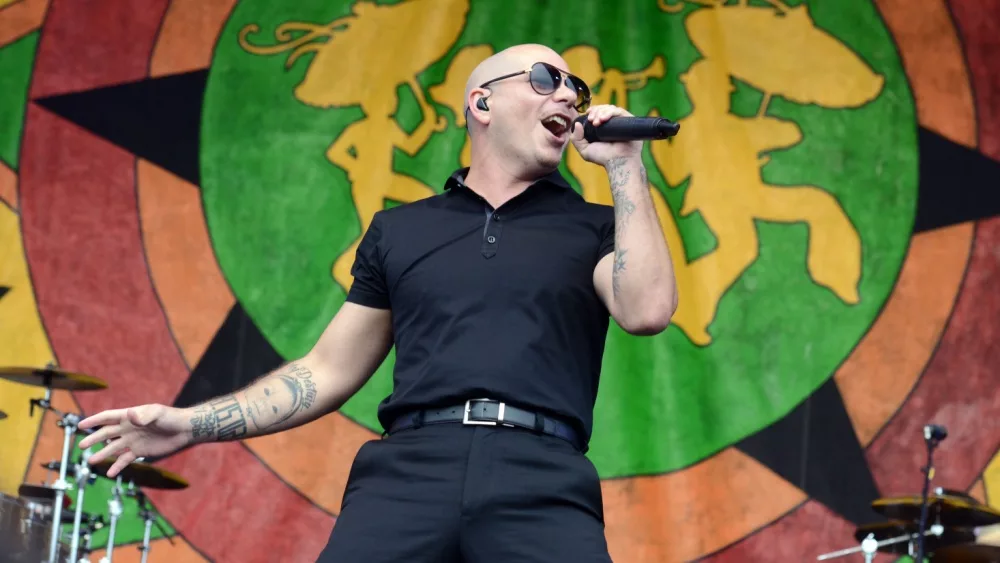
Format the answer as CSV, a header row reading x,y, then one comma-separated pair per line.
x,y
607,235
369,287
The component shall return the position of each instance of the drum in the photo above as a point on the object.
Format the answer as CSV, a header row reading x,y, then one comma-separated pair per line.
x,y
25,529
13,514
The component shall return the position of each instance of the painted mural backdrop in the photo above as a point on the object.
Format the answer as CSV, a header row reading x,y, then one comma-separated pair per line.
x,y
183,184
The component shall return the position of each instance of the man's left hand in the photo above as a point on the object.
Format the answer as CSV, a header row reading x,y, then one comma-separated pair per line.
x,y
601,153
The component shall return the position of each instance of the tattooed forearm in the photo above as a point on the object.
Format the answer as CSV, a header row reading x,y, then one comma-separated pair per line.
x,y
618,176
641,279
306,384
203,425
280,396
260,408
231,424
619,173
219,419
619,266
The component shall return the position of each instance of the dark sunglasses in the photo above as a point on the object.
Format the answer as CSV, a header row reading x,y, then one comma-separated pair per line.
x,y
545,79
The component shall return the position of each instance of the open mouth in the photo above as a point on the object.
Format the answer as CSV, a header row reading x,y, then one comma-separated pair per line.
x,y
558,125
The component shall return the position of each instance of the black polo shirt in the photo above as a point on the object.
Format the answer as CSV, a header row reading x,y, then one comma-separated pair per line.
x,y
491,303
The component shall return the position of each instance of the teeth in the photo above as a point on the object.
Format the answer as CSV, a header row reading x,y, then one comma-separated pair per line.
x,y
556,124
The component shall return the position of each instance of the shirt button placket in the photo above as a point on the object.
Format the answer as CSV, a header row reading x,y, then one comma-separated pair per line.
x,y
491,237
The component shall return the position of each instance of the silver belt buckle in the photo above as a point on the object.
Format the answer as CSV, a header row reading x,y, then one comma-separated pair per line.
x,y
468,409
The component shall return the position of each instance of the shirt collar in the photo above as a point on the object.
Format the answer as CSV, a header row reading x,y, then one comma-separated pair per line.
x,y
457,179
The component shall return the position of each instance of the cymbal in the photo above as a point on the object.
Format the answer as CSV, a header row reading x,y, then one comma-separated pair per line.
x,y
41,493
55,465
69,516
143,475
947,510
52,378
968,553
955,493
886,530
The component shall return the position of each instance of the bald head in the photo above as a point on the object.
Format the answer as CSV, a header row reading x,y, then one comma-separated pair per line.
x,y
511,59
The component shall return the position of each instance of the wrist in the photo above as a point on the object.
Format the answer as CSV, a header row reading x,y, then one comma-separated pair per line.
x,y
624,162
199,424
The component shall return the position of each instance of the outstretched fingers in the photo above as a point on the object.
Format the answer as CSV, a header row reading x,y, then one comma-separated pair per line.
x,y
103,418
112,449
121,463
106,433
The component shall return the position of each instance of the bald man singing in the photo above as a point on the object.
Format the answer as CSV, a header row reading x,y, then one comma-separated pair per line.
x,y
497,295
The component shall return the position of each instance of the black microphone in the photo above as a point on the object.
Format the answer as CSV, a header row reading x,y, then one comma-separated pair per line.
x,y
935,432
627,129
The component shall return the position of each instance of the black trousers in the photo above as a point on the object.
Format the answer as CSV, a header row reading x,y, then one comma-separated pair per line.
x,y
449,493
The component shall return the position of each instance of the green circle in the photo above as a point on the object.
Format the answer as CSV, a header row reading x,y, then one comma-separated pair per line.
x,y
280,214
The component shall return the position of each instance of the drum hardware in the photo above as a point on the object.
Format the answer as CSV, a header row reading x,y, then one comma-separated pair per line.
x,y
968,553
137,474
84,477
149,515
943,526
114,512
943,506
48,505
26,522
870,546
68,422
16,531
142,474
937,536
957,519
41,494
933,435
52,378
946,539
94,523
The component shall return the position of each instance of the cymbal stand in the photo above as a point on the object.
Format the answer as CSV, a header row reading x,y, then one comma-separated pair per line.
x,y
93,524
928,472
115,511
68,421
84,477
869,546
149,514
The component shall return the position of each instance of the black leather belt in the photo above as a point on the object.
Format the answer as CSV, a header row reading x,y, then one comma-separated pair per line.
x,y
489,412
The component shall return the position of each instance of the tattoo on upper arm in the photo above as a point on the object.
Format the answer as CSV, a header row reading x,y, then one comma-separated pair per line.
x,y
279,397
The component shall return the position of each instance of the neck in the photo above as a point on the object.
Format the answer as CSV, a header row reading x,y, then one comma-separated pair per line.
x,y
496,183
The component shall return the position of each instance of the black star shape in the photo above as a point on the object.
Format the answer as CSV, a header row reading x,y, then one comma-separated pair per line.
x,y
237,356
816,449
157,119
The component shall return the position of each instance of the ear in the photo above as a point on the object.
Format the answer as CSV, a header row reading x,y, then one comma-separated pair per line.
x,y
478,105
